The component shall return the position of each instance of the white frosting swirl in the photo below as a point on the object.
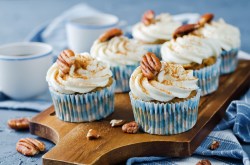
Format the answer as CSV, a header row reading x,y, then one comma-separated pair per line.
x,y
227,35
85,75
172,81
118,51
188,49
161,30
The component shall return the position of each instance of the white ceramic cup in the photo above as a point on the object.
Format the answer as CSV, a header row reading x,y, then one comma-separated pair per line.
x,y
23,68
83,31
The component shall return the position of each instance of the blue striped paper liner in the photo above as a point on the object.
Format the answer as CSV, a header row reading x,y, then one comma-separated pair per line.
x,y
208,78
122,75
166,118
84,107
155,48
229,61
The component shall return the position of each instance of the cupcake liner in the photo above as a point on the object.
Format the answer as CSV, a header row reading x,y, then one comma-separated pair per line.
x,y
229,61
155,48
84,107
166,118
122,75
208,78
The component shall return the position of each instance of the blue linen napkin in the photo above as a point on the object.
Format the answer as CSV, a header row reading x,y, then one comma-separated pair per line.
x,y
38,103
235,123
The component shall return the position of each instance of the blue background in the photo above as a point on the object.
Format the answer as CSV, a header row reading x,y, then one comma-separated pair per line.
x,y
18,18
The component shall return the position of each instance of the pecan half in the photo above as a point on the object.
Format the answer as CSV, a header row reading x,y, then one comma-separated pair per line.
x,y
92,134
131,127
29,146
214,145
204,162
65,60
205,18
148,17
110,34
116,123
19,124
150,65
184,30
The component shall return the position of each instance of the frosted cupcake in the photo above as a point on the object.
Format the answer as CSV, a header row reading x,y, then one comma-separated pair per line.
x,y
228,37
153,30
122,54
81,87
197,53
164,96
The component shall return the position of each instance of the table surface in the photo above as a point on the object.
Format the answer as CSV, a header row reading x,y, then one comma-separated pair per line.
x,y
19,17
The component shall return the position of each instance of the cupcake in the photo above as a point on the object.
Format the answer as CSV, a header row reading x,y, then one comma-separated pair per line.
x,y
153,30
227,36
164,97
120,53
196,53
81,87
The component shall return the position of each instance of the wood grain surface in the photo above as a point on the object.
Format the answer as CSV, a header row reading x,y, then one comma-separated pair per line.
x,y
114,146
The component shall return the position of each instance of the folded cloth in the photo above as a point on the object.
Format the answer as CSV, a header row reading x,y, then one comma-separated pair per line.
x,y
38,103
238,119
235,123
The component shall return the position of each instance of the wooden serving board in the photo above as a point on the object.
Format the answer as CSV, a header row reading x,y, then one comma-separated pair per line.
x,y
115,147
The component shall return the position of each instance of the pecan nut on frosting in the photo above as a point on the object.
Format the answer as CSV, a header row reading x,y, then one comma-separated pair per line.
x,y
148,17
29,146
150,65
110,34
65,60
184,30
205,18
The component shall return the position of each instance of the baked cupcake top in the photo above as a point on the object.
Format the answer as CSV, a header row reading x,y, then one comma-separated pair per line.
x,y
115,49
228,36
79,73
161,81
155,29
186,48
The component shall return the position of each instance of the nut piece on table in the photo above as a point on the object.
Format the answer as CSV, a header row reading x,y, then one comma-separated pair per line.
x,y
214,145
29,146
150,65
110,34
92,134
148,17
204,162
116,123
205,18
65,60
19,124
131,127
185,30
